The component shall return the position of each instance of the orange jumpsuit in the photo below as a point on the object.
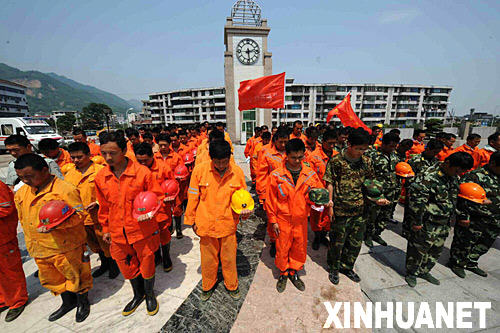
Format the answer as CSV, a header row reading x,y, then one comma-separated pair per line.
x,y
60,253
301,137
320,221
133,243
288,205
95,150
85,183
13,292
249,146
192,143
130,152
484,155
209,206
257,146
474,152
417,148
182,150
444,153
172,159
63,158
161,172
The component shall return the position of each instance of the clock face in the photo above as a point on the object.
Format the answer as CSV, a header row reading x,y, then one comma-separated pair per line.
x,y
247,51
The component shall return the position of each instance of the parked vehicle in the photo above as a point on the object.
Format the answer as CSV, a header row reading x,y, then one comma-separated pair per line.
x,y
33,128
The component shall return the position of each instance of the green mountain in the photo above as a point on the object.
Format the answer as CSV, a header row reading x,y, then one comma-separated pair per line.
x,y
48,91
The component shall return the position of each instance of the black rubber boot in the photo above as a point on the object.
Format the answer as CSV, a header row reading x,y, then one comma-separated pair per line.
x,y
178,227
104,265
317,241
167,262
82,307
158,257
324,240
68,304
152,305
138,288
114,270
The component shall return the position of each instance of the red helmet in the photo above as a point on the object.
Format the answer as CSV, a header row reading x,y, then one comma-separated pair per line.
x,y
146,203
189,158
171,189
54,213
181,172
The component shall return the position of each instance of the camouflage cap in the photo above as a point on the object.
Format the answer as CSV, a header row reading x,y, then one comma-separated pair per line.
x,y
319,196
374,189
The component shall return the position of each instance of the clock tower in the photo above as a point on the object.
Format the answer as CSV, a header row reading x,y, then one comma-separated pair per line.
x,y
245,58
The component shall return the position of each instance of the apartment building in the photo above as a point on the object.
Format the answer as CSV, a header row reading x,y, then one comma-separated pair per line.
x,y
13,101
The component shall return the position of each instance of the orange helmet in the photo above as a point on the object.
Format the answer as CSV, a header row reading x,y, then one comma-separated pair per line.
x,y
98,159
472,192
171,189
146,203
189,158
181,172
54,213
404,170
67,167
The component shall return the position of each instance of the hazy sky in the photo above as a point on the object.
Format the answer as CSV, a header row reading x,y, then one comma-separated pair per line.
x,y
132,48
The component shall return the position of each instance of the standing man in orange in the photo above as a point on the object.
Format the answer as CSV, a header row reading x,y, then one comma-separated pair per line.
x,y
312,134
209,212
176,145
448,140
50,148
252,141
133,241
265,138
470,147
13,294
59,252
79,135
166,154
297,131
418,143
83,178
492,146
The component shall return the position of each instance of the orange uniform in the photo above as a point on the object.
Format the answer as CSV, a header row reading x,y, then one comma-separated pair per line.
x,y
288,205
474,152
209,206
202,147
485,154
172,160
85,183
192,143
301,137
13,292
417,148
59,254
133,243
249,146
161,172
317,160
444,153
254,154
95,150
309,149
63,158
182,150
130,152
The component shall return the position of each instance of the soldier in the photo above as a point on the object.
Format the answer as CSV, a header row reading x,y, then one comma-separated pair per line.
x,y
343,133
344,177
384,163
433,197
478,224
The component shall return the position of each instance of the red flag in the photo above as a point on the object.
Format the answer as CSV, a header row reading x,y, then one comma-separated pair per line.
x,y
267,92
346,114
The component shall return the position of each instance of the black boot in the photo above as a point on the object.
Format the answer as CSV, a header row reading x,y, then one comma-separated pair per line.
x,y
317,241
178,227
114,271
68,304
272,250
104,265
152,305
325,241
82,307
158,257
138,288
171,228
167,262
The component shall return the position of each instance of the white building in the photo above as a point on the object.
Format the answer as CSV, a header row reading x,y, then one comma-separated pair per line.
x,y
13,101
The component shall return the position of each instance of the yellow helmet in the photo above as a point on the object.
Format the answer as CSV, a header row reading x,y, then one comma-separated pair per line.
x,y
66,167
242,199
380,125
98,159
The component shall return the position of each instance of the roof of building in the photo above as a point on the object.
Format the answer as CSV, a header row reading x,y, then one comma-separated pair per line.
x,y
12,83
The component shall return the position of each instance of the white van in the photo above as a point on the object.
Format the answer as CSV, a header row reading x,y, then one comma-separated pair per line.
x,y
33,128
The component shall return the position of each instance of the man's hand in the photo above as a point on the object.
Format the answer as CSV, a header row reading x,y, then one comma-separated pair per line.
x,y
416,227
329,204
92,205
145,217
463,223
166,200
382,202
245,214
330,213
106,237
43,229
276,229
195,229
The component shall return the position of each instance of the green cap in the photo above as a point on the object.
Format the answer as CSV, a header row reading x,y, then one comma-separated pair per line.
x,y
319,196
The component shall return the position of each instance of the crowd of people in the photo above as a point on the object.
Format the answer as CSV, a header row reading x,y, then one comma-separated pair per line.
x,y
125,197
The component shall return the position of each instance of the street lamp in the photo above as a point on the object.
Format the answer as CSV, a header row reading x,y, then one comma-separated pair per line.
x,y
126,115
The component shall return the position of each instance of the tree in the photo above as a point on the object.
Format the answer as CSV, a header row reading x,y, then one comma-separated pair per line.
x,y
433,125
66,122
93,116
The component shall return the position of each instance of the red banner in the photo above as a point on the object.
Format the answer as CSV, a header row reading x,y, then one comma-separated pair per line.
x,y
267,92
346,114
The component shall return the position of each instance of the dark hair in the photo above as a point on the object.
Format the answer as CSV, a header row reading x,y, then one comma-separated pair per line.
x,y
495,158
147,135
281,133
461,159
395,130
219,123
173,133
450,136
143,148
114,137
294,145
358,137
181,132
274,126
120,132
297,122
417,132
493,137
473,136
215,135
257,129
79,146
330,134
376,128
130,132
390,138
156,129
441,135
48,144
266,136
434,144
78,131
35,161
264,128
312,132
163,137
219,149
143,128
17,139
406,143
343,131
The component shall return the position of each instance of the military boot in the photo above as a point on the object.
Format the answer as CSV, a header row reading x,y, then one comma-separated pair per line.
x,y
82,307
68,304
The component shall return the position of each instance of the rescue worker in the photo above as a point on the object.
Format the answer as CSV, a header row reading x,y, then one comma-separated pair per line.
x,y
133,241
160,172
384,164
13,294
318,160
50,148
470,147
165,154
19,145
478,223
79,135
297,131
209,212
344,176
63,263
377,134
288,205
176,145
449,140
418,143
149,139
269,160
220,126
83,178
492,146
432,201
312,135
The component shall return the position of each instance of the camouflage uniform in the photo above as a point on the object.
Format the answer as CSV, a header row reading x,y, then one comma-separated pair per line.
x,y
470,243
385,172
340,148
418,164
347,230
432,202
